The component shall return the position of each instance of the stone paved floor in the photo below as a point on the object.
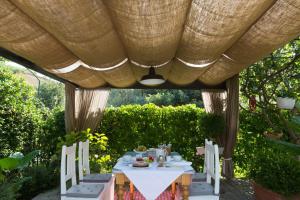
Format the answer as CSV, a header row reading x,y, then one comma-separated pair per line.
x,y
236,189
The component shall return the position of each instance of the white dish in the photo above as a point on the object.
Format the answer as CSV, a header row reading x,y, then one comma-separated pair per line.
x,y
177,158
130,165
139,152
127,159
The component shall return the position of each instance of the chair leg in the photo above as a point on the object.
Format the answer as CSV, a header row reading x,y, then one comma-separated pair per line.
x,y
131,190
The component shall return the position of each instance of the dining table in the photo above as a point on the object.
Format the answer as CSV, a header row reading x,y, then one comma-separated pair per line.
x,y
153,180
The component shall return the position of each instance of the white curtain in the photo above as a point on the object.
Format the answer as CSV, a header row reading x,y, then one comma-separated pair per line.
x,y
214,101
84,107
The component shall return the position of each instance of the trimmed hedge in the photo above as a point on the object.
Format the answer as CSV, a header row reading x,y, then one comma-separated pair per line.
x,y
129,126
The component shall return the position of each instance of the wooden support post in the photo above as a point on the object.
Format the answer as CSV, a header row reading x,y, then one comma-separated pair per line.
x,y
232,124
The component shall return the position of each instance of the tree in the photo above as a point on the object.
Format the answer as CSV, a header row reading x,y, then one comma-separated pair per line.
x,y
20,117
160,97
265,80
51,94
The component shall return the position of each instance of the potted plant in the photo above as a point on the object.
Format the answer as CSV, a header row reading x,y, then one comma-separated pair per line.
x,y
286,99
275,176
214,126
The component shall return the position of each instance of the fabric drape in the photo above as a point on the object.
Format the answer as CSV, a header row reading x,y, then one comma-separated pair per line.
x,y
232,124
90,105
100,42
215,102
69,107
84,108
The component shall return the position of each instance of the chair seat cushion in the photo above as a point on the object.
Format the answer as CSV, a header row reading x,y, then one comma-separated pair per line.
x,y
85,191
199,189
199,177
96,178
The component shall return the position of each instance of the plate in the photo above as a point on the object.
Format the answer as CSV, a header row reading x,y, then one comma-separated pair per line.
x,y
139,152
140,165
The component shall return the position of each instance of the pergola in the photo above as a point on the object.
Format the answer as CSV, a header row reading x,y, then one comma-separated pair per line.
x,y
199,44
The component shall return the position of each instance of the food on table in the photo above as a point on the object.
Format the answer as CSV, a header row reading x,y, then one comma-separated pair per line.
x,y
141,148
139,159
149,159
140,164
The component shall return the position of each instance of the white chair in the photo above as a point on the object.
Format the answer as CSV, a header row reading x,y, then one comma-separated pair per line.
x,y
68,172
207,190
85,175
201,177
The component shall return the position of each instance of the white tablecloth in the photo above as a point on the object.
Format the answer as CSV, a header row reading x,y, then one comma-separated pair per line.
x,y
151,181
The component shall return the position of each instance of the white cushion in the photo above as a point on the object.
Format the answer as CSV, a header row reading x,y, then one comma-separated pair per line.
x,y
199,177
199,189
85,191
96,178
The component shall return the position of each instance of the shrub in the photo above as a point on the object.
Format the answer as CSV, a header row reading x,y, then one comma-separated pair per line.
x,y
52,130
41,178
251,140
20,117
11,174
213,125
277,171
99,160
150,125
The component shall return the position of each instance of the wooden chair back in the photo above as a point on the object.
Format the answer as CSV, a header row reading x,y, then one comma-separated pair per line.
x,y
83,159
67,168
213,166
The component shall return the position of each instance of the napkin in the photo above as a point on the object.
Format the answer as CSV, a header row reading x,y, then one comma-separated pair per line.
x,y
181,163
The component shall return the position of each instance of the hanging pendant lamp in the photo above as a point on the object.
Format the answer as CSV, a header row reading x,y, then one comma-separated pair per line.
x,y
152,79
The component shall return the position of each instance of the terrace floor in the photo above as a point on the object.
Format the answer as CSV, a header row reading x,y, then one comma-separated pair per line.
x,y
235,189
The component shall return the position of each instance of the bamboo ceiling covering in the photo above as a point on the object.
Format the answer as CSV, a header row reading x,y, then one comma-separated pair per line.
x,y
98,42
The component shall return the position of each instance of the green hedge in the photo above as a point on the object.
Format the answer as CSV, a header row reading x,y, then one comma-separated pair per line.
x,y
129,126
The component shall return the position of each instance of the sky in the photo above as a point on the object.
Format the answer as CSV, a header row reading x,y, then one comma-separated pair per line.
x,y
16,65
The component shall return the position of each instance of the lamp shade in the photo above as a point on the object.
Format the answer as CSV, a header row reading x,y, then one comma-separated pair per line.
x,y
152,79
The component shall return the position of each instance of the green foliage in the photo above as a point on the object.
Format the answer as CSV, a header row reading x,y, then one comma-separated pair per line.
x,y
99,160
150,125
11,175
12,163
20,117
53,129
270,163
41,178
214,125
277,171
51,94
159,97
275,75
9,190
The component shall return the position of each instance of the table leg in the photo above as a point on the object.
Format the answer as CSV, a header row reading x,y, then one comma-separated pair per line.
x,y
173,190
120,180
131,190
186,182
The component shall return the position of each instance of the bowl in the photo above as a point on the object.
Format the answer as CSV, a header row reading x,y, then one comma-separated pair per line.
x,y
177,158
139,152
127,158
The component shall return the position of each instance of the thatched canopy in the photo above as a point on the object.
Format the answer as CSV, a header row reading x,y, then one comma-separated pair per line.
x,y
96,43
